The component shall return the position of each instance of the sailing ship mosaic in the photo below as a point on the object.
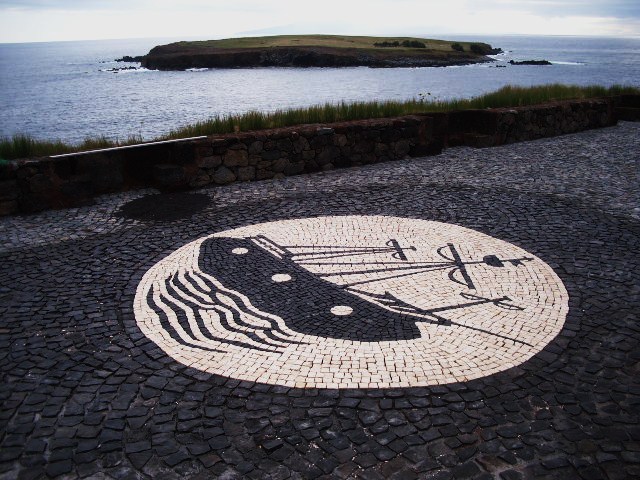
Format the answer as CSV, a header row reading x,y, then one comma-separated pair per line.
x,y
351,302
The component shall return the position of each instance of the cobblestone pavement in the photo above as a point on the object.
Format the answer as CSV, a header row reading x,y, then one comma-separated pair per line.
x,y
483,323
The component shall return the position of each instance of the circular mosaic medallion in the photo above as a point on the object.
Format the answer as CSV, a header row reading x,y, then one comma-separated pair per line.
x,y
351,302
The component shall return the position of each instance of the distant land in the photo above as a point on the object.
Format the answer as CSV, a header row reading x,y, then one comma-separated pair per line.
x,y
315,51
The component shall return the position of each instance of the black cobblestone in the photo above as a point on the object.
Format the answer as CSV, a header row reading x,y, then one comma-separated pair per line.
x,y
85,394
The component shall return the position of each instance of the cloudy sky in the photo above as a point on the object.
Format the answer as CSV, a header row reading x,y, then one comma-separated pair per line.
x,y
48,20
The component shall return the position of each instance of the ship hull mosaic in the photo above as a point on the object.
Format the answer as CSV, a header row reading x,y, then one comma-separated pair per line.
x,y
351,302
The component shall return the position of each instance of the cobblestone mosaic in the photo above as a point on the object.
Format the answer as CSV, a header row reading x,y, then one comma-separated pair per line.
x,y
84,393
351,302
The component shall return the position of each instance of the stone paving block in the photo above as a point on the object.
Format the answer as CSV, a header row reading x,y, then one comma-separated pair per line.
x,y
91,391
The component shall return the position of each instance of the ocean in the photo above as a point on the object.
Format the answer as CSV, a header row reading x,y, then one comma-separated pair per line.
x,y
64,90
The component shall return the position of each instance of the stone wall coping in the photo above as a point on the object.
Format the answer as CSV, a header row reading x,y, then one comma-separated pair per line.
x,y
125,147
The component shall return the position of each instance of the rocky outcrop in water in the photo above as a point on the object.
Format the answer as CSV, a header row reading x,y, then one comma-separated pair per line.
x,y
130,59
530,62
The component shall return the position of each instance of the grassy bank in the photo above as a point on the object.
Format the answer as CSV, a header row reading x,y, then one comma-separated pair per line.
x,y
22,146
331,41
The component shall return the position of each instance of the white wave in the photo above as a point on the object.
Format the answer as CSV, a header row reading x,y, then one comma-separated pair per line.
x,y
196,69
565,63
137,70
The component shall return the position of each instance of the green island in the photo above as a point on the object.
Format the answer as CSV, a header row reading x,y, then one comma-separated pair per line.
x,y
315,51
24,146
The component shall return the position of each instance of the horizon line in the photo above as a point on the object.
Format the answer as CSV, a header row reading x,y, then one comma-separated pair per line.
x,y
628,37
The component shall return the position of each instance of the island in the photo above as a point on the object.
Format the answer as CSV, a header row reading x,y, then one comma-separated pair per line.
x,y
315,51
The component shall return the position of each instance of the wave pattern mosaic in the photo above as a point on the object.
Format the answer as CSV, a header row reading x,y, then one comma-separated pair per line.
x,y
351,302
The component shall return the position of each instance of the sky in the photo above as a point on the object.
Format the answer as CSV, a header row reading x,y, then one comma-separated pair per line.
x,y
52,20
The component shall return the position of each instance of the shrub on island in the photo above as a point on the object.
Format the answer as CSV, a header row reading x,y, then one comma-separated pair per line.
x,y
479,49
405,43
413,44
386,44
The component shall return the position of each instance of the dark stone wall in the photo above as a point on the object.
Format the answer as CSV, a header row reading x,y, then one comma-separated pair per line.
x,y
32,185
485,128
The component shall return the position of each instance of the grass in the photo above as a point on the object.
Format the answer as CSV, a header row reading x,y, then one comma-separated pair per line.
x,y
331,41
509,96
22,146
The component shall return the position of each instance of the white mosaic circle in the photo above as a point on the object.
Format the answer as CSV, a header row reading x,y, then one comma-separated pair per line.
x,y
342,310
281,277
351,302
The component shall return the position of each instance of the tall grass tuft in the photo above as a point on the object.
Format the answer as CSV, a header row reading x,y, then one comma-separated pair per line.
x,y
21,146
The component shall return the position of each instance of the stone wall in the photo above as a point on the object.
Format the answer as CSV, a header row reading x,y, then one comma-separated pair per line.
x,y
32,185
485,128
291,151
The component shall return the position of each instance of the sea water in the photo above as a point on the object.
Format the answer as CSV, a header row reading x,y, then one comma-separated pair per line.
x,y
65,90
